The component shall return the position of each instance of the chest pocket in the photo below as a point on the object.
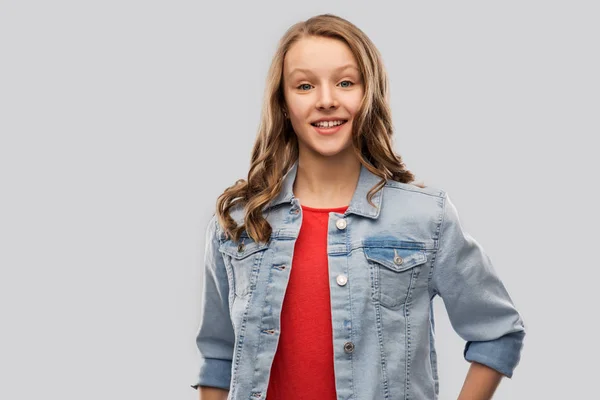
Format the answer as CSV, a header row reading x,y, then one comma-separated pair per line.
x,y
245,258
395,271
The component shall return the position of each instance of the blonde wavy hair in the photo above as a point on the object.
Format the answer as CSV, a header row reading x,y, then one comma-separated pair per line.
x,y
276,147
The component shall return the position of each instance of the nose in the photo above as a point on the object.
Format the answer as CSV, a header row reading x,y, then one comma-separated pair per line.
x,y
327,99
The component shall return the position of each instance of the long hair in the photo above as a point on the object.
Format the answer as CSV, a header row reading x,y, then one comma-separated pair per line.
x,y
276,147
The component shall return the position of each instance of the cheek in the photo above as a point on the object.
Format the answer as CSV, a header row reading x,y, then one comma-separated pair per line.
x,y
301,108
354,103
300,128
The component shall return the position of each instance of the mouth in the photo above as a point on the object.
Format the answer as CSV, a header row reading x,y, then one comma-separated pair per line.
x,y
329,130
343,121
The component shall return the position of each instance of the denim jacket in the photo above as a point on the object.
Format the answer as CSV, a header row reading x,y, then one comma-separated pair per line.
x,y
386,265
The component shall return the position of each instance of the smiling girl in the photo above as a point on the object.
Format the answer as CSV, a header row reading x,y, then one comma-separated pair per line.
x,y
321,267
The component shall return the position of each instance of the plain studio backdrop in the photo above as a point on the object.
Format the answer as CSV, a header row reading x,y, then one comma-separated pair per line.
x,y
122,121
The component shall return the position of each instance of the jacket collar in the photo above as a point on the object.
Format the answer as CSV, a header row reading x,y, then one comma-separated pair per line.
x,y
358,205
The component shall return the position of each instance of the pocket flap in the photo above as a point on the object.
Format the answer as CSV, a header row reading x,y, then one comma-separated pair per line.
x,y
396,259
242,249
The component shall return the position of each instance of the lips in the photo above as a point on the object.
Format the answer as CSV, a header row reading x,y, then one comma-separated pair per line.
x,y
315,123
329,131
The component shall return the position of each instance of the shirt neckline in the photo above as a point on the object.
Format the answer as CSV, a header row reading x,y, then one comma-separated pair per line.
x,y
324,210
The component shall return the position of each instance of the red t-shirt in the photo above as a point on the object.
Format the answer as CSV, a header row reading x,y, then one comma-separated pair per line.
x,y
303,364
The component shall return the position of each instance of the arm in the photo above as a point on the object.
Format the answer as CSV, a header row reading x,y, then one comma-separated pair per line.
x,y
215,338
481,383
212,393
479,306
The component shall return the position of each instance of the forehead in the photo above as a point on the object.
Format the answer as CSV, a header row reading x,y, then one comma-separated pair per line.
x,y
319,55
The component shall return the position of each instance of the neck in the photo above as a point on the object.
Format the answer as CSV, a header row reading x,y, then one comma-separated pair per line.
x,y
326,182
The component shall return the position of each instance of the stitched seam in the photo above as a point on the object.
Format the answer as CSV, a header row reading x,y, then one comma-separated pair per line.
x,y
261,336
386,393
407,354
391,186
231,297
438,233
352,325
414,277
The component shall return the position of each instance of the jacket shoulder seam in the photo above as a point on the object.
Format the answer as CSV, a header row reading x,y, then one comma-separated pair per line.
x,y
408,188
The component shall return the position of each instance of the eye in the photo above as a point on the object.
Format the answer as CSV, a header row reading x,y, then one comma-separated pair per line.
x,y
348,82
304,84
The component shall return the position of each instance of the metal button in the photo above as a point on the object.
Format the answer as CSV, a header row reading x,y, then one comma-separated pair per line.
x,y
241,247
398,260
341,223
341,279
348,347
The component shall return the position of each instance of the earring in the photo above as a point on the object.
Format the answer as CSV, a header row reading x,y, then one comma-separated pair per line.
x,y
285,114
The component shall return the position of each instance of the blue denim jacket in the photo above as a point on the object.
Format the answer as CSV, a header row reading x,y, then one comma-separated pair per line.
x,y
386,264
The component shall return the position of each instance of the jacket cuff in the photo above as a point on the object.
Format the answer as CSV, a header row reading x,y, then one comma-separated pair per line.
x,y
502,354
214,373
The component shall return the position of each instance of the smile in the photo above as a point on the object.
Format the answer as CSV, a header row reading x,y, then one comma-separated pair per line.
x,y
330,129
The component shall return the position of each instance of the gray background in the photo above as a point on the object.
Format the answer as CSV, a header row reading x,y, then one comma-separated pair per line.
x,y
122,121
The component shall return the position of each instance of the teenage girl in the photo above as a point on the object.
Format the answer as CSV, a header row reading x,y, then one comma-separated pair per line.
x,y
321,267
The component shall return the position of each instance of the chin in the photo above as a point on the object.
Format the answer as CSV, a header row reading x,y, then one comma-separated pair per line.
x,y
324,146
332,150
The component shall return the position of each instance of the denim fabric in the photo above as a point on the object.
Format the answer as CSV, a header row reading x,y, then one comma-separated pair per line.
x,y
396,257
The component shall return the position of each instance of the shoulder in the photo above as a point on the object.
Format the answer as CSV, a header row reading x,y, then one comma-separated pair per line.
x,y
417,203
236,212
432,203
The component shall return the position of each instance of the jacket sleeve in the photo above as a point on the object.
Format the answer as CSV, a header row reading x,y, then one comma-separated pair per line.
x,y
478,305
215,337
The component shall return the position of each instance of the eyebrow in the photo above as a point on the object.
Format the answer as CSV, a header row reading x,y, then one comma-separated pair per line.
x,y
343,67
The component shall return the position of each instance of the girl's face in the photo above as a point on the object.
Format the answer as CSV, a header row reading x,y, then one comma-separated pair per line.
x,y
321,80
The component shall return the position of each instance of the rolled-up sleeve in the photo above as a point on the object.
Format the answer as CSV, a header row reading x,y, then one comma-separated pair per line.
x,y
478,304
215,337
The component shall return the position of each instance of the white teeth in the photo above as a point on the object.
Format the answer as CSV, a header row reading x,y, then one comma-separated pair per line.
x,y
328,124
